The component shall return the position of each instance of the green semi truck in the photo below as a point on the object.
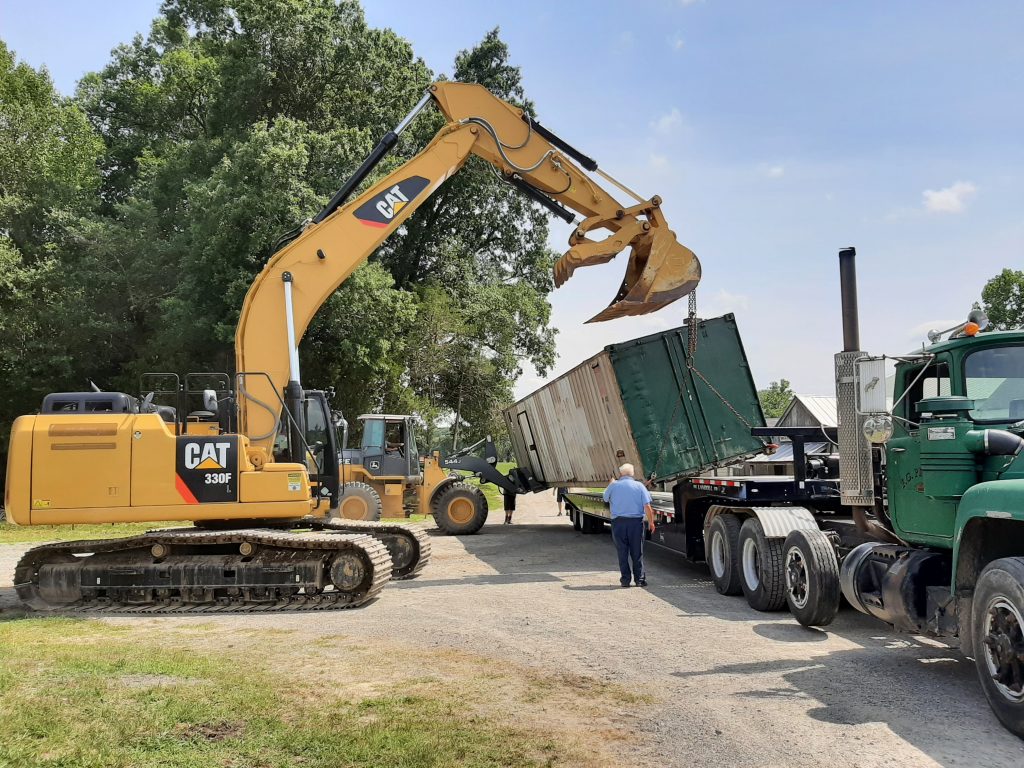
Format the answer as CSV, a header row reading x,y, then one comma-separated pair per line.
x,y
917,519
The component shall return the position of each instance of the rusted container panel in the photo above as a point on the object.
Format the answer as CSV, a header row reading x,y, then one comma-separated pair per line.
x,y
646,402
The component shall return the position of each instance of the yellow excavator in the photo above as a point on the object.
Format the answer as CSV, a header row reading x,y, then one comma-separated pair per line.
x,y
257,469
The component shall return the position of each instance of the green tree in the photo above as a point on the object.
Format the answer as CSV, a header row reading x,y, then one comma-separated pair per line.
x,y
48,179
775,398
1003,298
233,121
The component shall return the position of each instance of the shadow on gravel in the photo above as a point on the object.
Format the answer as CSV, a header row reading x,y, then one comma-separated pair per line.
x,y
486,579
883,684
791,633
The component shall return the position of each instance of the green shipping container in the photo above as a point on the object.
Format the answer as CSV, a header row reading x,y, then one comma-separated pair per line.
x,y
646,402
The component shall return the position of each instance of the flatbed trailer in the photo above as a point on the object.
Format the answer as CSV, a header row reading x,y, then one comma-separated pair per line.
x,y
781,503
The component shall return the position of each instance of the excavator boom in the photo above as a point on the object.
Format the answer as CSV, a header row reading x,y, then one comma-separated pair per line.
x,y
299,278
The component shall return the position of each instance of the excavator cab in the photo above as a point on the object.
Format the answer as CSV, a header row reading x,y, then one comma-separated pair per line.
x,y
322,447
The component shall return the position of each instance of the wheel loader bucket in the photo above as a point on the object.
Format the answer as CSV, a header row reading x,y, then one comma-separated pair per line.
x,y
660,271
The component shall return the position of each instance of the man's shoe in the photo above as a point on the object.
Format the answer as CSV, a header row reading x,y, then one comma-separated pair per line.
x,y
623,583
642,583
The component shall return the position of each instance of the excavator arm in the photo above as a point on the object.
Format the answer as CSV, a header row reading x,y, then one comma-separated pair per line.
x,y
300,277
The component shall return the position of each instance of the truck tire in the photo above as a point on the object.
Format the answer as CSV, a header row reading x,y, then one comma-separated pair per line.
x,y
721,551
997,627
577,519
760,561
592,524
459,509
358,501
811,571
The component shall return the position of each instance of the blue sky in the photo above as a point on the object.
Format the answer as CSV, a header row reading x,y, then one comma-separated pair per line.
x,y
775,132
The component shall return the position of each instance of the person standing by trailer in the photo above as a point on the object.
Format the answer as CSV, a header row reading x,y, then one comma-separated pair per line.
x,y
560,499
630,503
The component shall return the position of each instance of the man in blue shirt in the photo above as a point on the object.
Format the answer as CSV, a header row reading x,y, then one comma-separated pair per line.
x,y
630,502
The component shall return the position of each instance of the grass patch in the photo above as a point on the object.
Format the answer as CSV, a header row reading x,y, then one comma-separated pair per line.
x,y
409,519
23,534
87,693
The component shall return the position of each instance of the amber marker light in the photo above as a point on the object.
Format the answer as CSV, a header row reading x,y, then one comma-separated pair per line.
x,y
971,329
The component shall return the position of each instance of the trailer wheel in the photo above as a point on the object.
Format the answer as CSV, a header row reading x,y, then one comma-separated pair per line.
x,y
721,550
997,627
359,501
811,570
459,509
577,522
592,524
760,559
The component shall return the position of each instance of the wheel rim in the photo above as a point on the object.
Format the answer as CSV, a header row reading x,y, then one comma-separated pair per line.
x,y
1004,648
354,508
717,554
796,577
461,510
751,564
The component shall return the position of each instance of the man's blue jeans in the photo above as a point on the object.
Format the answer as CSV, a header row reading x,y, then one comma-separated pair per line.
x,y
628,535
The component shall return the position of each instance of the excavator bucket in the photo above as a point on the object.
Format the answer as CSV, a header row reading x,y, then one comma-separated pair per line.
x,y
660,271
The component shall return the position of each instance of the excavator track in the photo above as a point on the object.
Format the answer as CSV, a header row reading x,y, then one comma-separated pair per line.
x,y
186,570
409,545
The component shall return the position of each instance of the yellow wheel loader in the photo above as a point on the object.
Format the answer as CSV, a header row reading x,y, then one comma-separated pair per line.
x,y
259,468
386,472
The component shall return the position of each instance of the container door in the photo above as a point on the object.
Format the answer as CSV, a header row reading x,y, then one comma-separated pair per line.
x,y
531,446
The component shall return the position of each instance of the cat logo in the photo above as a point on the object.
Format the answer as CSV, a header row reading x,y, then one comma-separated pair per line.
x,y
206,455
381,210
206,469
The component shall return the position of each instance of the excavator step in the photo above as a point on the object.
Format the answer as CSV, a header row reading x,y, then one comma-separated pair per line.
x,y
195,571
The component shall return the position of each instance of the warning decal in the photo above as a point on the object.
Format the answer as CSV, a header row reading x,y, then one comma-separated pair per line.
x,y
207,469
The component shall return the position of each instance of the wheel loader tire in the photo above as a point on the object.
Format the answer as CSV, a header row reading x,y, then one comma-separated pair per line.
x,y
760,560
997,626
721,551
459,509
359,501
811,570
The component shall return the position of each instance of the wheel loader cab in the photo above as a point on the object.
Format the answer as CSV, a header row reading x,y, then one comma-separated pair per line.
x,y
388,447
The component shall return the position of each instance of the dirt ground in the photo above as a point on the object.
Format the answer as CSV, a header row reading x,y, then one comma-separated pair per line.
x,y
672,675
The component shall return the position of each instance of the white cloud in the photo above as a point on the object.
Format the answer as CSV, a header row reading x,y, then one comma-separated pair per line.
x,y
721,302
657,162
776,172
951,199
668,122
676,43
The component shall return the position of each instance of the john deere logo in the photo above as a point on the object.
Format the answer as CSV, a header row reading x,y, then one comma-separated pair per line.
x,y
382,209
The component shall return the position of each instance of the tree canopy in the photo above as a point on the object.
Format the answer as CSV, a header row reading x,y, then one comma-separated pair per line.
x,y
135,215
1003,298
775,398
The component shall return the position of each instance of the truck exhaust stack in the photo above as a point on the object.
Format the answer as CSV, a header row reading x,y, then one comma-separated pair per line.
x,y
848,297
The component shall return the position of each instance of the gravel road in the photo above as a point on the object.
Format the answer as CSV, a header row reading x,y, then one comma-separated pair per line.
x,y
731,686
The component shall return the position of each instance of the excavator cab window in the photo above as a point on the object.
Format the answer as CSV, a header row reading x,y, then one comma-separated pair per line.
x,y
323,445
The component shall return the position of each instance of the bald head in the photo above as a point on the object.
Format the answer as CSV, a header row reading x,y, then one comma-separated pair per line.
x,y
626,470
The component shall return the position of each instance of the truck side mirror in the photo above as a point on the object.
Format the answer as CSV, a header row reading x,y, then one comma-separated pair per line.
x,y
872,392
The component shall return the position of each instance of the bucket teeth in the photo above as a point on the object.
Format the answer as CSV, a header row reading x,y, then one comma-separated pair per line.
x,y
660,271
